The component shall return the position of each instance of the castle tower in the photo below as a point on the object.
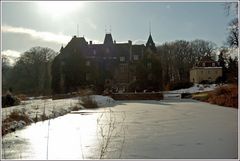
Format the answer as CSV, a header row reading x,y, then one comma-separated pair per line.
x,y
108,39
150,44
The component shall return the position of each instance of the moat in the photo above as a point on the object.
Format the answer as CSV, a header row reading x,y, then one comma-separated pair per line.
x,y
131,130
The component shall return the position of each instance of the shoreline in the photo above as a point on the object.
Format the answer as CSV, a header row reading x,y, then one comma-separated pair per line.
x,y
17,117
12,126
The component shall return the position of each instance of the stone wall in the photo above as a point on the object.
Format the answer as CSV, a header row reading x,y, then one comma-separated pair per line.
x,y
137,96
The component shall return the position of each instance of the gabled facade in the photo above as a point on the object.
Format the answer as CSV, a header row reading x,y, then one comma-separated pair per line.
x,y
205,70
108,62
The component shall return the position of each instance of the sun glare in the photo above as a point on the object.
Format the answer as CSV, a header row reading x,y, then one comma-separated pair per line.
x,y
59,8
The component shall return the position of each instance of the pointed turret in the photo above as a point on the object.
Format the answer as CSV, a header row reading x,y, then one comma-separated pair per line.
x,y
150,44
108,39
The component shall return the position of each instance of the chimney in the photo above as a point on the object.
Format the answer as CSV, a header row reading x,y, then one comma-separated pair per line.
x,y
90,42
130,49
129,42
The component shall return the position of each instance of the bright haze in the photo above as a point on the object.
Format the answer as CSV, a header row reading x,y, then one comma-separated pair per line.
x,y
52,24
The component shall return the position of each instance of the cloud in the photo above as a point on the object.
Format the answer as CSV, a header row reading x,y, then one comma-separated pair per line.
x,y
12,55
45,36
91,24
139,41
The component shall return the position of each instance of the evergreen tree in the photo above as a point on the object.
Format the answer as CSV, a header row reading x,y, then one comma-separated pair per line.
x,y
232,70
222,63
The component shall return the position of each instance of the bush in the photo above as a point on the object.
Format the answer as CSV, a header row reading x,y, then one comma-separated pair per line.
x,y
88,102
13,121
222,91
205,82
19,116
10,100
136,86
220,80
179,85
225,96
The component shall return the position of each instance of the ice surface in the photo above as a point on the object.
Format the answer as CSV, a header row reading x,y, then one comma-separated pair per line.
x,y
139,130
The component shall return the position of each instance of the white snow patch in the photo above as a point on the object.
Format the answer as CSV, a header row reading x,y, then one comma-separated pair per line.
x,y
196,88
53,108
102,100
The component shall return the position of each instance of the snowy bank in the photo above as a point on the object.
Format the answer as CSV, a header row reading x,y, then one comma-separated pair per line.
x,y
196,88
37,110
103,100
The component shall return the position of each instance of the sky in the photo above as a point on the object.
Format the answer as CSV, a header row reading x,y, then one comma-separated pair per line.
x,y
53,24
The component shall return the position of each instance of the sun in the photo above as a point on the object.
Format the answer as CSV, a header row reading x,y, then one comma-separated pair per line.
x,y
58,9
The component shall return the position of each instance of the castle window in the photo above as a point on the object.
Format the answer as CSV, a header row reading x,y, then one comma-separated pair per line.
x,y
149,65
94,52
213,64
149,76
134,78
122,58
135,57
122,69
107,50
87,63
87,76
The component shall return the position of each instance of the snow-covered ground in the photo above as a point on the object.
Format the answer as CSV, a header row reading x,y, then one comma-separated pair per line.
x,y
51,108
196,88
166,129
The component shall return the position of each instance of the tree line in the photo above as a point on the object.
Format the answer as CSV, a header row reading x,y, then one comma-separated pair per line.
x,y
32,73
170,65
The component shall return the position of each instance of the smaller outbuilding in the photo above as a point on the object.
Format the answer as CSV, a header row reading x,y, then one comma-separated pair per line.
x,y
205,70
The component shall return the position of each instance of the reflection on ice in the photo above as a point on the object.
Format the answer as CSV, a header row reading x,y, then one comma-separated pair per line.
x,y
73,136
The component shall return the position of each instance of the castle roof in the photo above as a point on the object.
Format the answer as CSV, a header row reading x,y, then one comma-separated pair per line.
x,y
106,50
150,44
108,39
207,61
207,58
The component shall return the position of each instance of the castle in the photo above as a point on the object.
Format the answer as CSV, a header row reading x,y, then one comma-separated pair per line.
x,y
109,63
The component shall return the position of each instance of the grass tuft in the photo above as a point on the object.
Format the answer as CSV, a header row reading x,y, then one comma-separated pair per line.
x,y
88,102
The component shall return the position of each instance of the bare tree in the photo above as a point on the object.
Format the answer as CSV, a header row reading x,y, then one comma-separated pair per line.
x,y
232,39
231,7
31,72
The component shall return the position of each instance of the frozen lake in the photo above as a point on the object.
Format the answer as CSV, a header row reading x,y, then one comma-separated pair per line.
x,y
131,130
